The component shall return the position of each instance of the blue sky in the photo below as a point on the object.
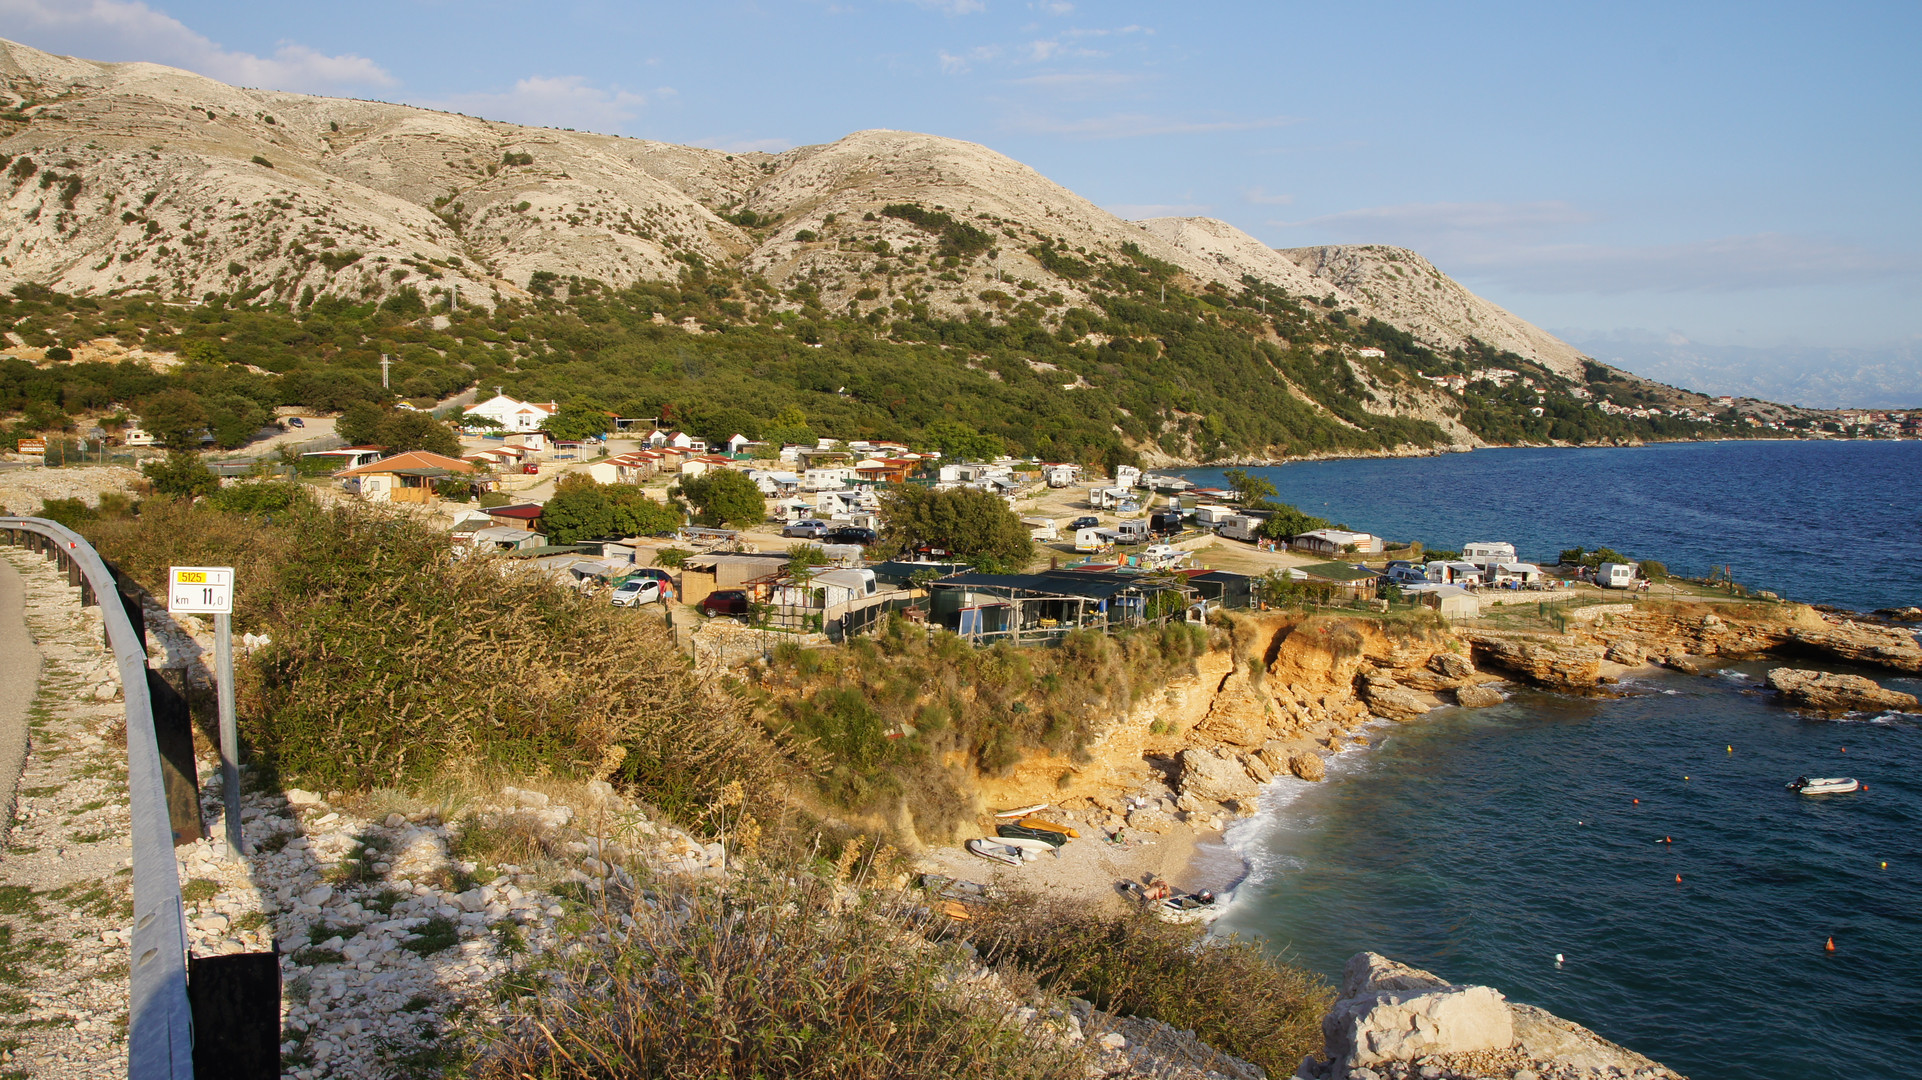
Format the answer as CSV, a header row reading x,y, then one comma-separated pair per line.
x,y
1733,174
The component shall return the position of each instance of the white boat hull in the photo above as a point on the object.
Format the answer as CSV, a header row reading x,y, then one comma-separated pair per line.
x,y
1826,785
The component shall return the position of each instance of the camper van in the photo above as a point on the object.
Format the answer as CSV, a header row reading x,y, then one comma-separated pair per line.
x,y
1092,540
1159,556
1615,575
1239,527
1042,529
1132,532
1165,524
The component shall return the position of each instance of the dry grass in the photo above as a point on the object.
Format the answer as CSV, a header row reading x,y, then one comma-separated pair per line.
x,y
784,977
1228,993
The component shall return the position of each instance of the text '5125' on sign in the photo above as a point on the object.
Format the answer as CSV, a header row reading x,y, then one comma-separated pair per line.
x,y
200,590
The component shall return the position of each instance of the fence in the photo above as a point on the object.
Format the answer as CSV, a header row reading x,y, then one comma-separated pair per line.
x,y
159,1023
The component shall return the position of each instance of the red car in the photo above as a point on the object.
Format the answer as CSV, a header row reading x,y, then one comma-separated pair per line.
x,y
725,602
530,469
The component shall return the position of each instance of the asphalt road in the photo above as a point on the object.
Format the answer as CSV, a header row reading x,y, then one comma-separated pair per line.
x,y
19,680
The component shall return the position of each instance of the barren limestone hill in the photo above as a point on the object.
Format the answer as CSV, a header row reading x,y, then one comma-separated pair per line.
x,y
188,186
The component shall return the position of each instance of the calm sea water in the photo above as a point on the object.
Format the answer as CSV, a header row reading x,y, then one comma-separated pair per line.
x,y
1826,522
1479,844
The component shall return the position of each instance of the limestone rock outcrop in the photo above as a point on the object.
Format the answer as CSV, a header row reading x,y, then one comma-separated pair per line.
x,y
1554,662
1209,774
1861,643
1390,699
1828,694
1308,767
1390,1019
1387,1011
1479,696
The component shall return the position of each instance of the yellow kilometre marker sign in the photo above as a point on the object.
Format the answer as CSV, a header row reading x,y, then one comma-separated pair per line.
x,y
200,590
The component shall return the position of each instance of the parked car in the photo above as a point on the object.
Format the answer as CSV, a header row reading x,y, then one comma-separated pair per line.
x,y
725,602
531,469
636,591
655,573
807,529
1088,522
295,421
851,534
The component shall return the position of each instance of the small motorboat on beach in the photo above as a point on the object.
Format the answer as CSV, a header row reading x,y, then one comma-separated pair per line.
x,y
996,851
1028,832
1824,785
1068,831
1033,848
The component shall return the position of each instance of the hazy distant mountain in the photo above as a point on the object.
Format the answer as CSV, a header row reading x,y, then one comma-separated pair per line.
x,y
167,181
1889,377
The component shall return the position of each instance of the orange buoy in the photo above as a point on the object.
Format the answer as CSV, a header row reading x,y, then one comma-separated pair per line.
x,y
1830,947
1678,879
1667,840
1638,802
1845,749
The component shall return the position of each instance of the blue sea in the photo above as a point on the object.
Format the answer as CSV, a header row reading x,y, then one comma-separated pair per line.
x,y
1479,844
1822,522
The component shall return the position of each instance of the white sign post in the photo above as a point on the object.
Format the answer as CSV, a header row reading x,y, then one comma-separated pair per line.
x,y
209,590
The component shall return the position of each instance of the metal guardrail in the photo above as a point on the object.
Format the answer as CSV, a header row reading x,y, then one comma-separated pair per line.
x,y
159,1019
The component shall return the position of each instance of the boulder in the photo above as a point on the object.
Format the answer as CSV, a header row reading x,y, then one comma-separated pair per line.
x,y
1214,776
1451,665
1390,699
1389,1012
1828,694
1680,662
1627,652
1308,766
297,797
1478,696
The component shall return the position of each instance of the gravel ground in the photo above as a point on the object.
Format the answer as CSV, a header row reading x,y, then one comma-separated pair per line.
x,y
23,490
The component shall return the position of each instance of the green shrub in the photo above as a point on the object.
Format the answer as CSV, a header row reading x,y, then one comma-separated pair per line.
x,y
265,497
490,499
1227,992
258,160
69,512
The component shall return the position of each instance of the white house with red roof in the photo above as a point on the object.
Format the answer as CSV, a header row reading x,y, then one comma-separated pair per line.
x,y
512,415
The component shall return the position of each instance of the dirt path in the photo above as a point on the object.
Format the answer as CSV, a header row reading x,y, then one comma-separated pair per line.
x,y
19,680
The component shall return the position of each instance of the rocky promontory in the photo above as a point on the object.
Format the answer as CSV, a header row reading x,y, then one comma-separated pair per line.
x,y
1827,693
1394,1022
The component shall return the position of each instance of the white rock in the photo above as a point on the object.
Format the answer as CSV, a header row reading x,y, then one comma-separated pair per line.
x,y
1113,1040
472,900
395,821
317,895
534,799
298,797
1391,1012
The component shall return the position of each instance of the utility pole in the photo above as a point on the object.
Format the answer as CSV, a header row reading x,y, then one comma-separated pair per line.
x,y
385,362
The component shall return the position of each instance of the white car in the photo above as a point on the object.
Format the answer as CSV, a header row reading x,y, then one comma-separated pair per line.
x,y
637,591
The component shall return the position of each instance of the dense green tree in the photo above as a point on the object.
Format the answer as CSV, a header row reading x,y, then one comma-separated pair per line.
x,y
400,430
1256,492
973,525
579,420
724,497
961,442
1286,522
181,474
175,418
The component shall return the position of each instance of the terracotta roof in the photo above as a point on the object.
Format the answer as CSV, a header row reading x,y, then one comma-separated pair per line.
x,y
413,459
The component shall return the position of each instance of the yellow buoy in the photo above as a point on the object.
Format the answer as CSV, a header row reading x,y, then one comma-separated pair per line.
x,y
1731,749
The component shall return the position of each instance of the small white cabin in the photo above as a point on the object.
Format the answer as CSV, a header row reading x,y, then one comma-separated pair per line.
x,y
1615,575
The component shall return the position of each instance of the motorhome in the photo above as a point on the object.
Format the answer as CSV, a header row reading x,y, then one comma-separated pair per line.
x,y
1615,575
1127,476
1132,532
1454,572
1239,527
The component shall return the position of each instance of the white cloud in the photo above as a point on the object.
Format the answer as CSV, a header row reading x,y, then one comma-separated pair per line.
x,y
952,7
130,30
1439,219
555,101
1135,125
1055,7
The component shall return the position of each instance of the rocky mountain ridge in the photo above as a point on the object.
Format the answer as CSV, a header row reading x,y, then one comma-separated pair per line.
x,y
188,186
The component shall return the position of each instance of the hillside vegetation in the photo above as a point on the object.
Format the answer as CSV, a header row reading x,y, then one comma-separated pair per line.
x,y
266,249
